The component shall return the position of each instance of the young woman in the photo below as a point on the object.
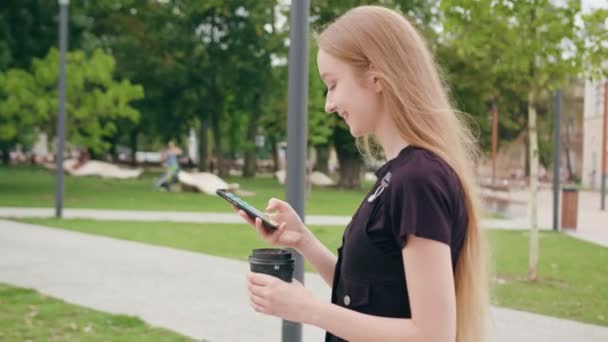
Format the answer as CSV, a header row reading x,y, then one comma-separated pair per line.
x,y
411,266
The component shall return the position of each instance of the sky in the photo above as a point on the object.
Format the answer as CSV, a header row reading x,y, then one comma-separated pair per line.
x,y
589,4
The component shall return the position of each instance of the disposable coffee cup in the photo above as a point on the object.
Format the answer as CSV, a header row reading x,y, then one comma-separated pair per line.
x,y
276,262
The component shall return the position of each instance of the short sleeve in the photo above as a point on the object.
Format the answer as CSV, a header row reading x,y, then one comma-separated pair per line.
x,y
419,204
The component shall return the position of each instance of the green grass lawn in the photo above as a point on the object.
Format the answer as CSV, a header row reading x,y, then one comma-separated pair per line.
x,y
573,282
26,315
26,186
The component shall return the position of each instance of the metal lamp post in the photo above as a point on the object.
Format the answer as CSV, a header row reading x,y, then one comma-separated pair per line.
x,y
297,123
59,146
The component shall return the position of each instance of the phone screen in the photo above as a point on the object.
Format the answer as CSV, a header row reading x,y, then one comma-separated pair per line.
x,y
245,204
253,210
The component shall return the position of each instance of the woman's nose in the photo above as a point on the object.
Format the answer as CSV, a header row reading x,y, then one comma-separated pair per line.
x,y
330,107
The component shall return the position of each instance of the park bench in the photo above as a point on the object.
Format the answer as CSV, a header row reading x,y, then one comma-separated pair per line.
x,y
497,199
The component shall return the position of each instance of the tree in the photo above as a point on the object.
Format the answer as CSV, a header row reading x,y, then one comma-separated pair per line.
x,y
320,124
151,31
539,43
259,40
23,106
274,118
221,46
94,99
475,90
28,28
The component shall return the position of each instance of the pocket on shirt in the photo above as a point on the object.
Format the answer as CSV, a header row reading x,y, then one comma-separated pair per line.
x,y
354,294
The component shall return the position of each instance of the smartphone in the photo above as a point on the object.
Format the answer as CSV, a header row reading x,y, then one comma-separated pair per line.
x,y
267,222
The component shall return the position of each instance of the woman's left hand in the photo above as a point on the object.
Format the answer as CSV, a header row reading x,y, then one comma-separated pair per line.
x,y
272,296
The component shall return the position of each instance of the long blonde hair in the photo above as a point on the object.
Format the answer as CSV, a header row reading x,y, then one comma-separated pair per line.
x,y
416,99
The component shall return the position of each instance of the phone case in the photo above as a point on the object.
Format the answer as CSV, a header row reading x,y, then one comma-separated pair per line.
x,y
246,207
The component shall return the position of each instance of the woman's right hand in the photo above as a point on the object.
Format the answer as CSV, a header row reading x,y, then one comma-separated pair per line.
x,y
291,233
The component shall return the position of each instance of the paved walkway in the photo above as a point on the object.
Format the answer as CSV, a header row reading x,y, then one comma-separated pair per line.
x,y
595,230
592,223
144,215
194,294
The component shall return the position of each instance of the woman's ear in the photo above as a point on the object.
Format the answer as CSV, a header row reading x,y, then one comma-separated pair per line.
x,y
374,80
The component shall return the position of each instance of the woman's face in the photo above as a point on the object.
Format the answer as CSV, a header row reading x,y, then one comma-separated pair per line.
x,y
355,98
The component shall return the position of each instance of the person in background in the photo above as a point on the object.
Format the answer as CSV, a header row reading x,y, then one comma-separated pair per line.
x,y
171,163
83,157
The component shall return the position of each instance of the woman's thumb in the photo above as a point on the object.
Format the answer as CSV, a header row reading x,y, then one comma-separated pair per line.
x,y
275,204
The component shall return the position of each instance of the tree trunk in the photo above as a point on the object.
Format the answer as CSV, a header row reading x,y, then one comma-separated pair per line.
x,y
322,164
533,257
350,172
93,153
348,157
6,158
113,150
133,146
216,107
527,157
494,140
203,146
571,173
275,152
249,168
219,149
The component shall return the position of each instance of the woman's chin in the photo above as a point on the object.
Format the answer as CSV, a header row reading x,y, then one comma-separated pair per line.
x,y
356,133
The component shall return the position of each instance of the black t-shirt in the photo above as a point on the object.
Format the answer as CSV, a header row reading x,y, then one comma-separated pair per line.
x,y
416,193
424,197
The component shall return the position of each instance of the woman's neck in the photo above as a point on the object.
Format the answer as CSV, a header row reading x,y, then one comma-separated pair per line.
x,y
389,138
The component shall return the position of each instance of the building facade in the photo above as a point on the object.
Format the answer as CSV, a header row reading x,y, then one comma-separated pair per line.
x,y
593,130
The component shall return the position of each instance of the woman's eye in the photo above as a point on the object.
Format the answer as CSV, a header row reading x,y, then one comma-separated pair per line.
x,y
332,87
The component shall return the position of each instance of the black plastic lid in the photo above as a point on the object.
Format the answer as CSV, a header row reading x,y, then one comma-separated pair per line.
x,y
271,254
